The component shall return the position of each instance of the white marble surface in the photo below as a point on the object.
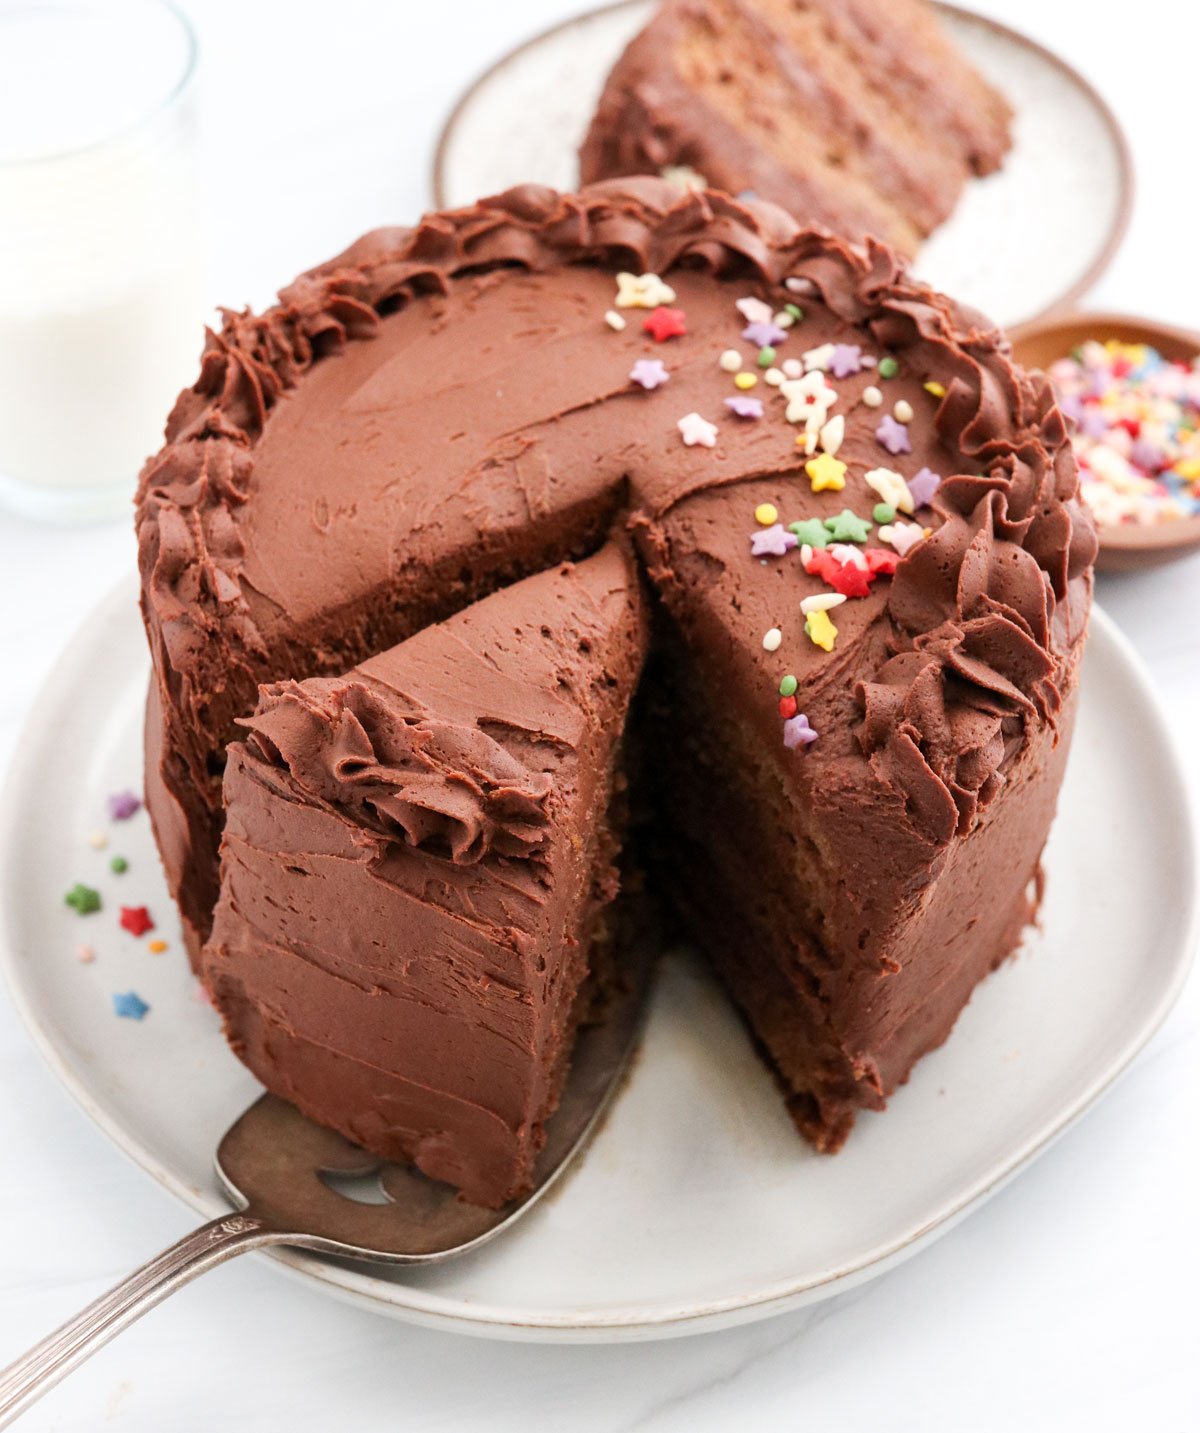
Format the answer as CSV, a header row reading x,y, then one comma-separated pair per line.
x,y
1066,1303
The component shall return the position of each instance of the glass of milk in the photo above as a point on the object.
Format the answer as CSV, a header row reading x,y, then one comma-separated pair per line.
x,y
101,264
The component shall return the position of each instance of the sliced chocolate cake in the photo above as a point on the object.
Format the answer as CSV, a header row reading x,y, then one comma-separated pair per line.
x,y
872,580
861,115
418,869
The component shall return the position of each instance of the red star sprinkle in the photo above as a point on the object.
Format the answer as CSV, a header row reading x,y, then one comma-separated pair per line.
x,y
845,577
664,323
136,920
880,560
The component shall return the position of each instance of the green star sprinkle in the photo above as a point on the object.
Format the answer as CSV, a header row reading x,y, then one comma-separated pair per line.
x,y
795,310
848,527
811,531
787,687
888,367
766,357
884,512
118,865
83,898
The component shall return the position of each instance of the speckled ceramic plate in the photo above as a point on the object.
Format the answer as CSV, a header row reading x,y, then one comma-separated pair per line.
x,y
697,1205
1028,239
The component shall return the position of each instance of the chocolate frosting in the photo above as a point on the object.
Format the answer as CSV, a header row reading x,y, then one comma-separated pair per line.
x,y
439,786
440,411
981,595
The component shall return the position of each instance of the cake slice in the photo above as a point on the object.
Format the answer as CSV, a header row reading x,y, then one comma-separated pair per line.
x,y
419,868
856,114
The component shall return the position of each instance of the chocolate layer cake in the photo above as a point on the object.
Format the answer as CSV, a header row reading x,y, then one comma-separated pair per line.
x,y
860,519
857,114
417,870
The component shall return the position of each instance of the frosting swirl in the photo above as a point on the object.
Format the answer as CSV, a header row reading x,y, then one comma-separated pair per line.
x,y
443,788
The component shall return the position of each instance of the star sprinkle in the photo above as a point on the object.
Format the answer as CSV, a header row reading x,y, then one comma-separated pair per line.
x,y
83,899
693,429
136,920
665,323
880,562
922,487
890,488
743,407
643,291
821,630
122,805
819,359
764,335
892,435
773,541
847,578
848,556
826,474
810,531
130,1006
649,372
798,732
848,527
903,536
753,310
845,360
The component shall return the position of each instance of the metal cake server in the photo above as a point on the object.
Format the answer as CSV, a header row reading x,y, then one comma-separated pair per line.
x,y
274,1164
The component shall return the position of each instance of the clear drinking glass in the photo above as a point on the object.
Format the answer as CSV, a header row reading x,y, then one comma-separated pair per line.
x,y
101,263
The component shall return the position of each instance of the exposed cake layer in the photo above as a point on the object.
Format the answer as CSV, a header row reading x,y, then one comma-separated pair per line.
x,y
850,113
418,859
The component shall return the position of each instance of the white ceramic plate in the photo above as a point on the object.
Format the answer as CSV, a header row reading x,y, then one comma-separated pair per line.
x,y
697,1204
1030,238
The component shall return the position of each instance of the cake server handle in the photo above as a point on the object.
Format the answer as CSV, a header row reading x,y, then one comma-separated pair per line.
x,y
24,1381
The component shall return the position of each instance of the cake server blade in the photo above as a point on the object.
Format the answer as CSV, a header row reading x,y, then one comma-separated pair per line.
x,y
288,1180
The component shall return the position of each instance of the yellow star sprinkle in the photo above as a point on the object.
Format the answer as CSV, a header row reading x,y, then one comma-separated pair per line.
x,y
642,291
826,473
937,389
766,514
821,630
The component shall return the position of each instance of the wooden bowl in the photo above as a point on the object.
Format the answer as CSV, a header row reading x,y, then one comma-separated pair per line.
x,y
1037,344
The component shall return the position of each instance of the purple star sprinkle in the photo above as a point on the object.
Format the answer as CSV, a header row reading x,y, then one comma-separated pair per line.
x,y
892,435
745,407
772,541
845,360
649,372
122,805
797,732
764,335
923,486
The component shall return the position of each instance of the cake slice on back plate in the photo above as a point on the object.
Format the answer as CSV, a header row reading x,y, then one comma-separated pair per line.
x,y
419,870
861,115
